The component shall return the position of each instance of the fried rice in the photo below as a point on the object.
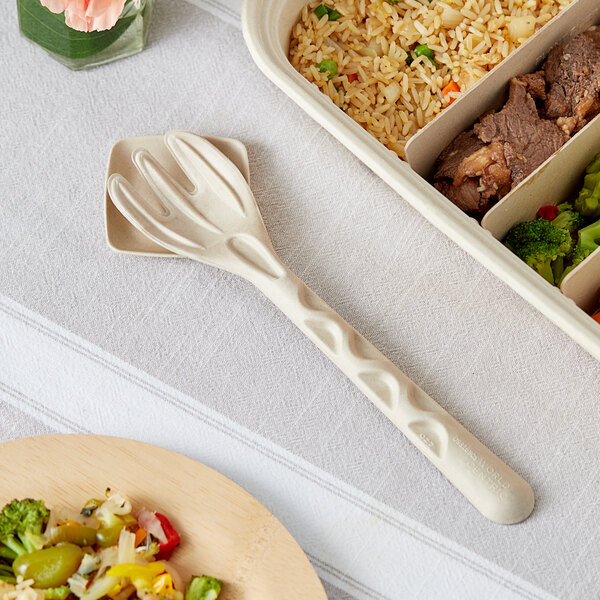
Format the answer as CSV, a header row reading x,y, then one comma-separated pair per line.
x,y
365,54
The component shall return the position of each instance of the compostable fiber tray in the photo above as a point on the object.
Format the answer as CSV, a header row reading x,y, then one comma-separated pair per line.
x,y
267,25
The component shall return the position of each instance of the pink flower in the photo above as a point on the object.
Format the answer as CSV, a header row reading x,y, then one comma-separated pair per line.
x,y
87,15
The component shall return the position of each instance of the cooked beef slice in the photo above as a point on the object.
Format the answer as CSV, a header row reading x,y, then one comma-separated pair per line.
x,y
482,165
572,73
471,174
465,196
518,168
529,139
495,174
462,146
535,84
489,164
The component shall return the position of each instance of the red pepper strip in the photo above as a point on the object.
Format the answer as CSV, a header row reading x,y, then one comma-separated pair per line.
x,y
596,317
352,77
548,213
165,549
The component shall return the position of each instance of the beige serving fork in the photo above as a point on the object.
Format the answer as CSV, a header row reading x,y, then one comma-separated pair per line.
x,y
216,221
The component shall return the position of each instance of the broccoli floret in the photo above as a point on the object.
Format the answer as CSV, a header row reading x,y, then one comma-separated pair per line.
x,y
588,201
570,220
594,166
57,593
6,574
539,243
558,269
567,218
579,255
203,588
587,242
21,525
587,239
7,553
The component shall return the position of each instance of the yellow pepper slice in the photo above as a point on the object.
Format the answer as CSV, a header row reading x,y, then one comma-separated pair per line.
x,y
141,576
163,584
115,591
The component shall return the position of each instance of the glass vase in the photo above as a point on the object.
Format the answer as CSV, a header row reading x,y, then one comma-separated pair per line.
x,y
80,49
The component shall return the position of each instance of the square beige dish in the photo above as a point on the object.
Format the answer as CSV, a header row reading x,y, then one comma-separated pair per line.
x,y
121,235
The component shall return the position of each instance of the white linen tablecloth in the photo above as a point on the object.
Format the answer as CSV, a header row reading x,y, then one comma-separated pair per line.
x,y
181,355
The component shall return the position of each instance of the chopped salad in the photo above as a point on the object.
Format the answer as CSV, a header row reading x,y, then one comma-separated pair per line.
x,y
104,552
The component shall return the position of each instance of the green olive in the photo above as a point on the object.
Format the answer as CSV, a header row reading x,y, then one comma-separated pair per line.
x,y
50,567
108,536
75,534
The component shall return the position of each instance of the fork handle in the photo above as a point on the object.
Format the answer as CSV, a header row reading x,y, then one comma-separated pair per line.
x,y
489,484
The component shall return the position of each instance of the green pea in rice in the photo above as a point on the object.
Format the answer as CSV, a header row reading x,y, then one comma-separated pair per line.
x,y
391,99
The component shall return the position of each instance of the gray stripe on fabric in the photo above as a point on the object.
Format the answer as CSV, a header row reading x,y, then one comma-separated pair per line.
x,y
334,593
58,418
18,424
347,579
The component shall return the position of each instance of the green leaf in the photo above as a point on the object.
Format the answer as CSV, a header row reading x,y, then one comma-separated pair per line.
x,y
49,31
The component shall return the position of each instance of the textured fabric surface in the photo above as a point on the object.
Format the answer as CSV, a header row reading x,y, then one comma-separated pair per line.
x,y
494,362
17,424
227,10
360,545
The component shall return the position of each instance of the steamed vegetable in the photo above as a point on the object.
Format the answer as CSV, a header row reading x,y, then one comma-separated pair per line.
x,y
6,574
426,51
421,50
588,240
78,534
539,243
588,200
567,218
203,588
58,593
50,567
114,511
109,536
104,553
564,235
328,66
173,539
452,87
21,525
322,10
141,576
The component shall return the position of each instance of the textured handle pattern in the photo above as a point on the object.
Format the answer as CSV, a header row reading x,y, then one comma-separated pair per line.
x,y
488,483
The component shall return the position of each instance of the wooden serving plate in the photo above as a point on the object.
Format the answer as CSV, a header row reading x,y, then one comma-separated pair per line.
x,y
226,532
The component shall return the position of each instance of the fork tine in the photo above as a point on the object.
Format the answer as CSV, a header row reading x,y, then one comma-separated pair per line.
x,y
191,151
130,203
167,189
